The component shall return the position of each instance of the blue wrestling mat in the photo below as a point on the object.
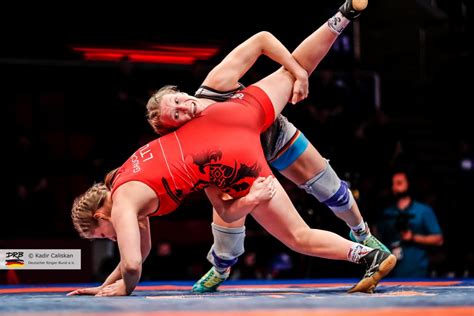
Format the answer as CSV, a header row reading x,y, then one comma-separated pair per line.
x,y
252,298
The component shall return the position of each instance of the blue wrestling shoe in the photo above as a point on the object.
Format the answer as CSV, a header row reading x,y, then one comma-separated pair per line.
x,y
351,9
370,241
378,264
210,281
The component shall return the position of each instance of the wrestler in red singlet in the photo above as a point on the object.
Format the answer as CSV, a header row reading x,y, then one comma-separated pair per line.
x,y
220,147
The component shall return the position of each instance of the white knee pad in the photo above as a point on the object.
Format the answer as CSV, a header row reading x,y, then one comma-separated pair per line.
x,y
228,246
328,189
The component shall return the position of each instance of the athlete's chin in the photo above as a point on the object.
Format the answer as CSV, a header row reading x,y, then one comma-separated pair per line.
x,y
197,114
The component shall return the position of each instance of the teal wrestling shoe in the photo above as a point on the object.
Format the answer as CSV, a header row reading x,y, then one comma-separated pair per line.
x,y
370,241
210,281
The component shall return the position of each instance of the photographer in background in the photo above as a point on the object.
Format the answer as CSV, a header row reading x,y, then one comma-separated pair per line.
x,y
409,228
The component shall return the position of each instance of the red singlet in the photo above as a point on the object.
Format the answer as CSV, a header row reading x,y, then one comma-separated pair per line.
x,y
220,147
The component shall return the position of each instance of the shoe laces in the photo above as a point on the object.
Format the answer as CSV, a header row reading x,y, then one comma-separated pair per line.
x,y
215,276
371,241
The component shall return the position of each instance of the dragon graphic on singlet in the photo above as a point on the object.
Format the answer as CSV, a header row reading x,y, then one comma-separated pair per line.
x,y
228,178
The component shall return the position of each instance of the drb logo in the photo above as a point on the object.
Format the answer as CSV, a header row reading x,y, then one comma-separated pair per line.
x,y
12,259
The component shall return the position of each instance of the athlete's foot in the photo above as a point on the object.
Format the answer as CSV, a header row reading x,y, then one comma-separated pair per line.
x,y
210,281
378,264
351,9
369,241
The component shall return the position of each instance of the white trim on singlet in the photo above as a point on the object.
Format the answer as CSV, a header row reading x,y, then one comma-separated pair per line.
x,y
216,95
184,162
167,165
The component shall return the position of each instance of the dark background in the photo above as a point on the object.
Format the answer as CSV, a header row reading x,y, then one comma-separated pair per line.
x,y
68,121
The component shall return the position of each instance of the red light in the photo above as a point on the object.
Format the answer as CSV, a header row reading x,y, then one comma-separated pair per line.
x,y
163,54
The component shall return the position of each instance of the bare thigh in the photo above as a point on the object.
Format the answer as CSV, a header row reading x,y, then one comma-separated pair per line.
x,y
279,88
309,164
280,218
216,219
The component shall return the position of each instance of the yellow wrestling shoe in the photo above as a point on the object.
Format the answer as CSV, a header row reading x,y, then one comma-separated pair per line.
x,y
210,281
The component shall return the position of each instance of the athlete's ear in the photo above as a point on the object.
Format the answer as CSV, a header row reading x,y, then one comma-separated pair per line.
x,y
101,216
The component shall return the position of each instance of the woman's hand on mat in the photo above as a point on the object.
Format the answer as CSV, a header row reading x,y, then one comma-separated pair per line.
x,y
86,291
114,289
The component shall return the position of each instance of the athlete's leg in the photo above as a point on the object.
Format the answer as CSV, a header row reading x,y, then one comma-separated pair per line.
x,y
291,153
228,242
310,165
279,217
278,86
301,170
310,171
313,49
227,247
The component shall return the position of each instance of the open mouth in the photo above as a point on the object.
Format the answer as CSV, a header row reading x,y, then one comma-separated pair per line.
x,y
193,108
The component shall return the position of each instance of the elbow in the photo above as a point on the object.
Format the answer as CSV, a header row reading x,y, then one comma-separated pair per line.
x,y
132,267
145,253
265,34
264,38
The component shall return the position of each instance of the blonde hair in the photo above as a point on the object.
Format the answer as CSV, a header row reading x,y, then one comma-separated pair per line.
x,y
109,178
153,108
84,207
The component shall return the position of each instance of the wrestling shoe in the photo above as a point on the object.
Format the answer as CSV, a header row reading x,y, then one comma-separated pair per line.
x,y
210,281
351,9
370,241
378,264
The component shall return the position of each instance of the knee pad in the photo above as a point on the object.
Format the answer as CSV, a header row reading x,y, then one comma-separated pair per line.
x,y
328,189
228,246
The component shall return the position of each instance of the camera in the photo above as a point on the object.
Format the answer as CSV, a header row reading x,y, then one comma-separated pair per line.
x,y
402,222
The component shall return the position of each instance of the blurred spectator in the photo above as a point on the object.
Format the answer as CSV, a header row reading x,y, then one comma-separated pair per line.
x,y
409,227
281,266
